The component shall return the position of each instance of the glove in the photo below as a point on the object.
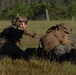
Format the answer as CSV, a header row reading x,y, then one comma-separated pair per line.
x,y
32,34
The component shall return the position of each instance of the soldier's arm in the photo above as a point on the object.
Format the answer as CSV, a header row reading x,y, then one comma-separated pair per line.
x,y
32,34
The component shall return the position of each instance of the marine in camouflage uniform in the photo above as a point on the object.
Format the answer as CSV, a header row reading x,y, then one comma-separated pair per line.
x,y
58,42
64,52
11,35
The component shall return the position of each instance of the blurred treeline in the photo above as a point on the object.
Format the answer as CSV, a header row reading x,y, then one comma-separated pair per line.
x,y
36,9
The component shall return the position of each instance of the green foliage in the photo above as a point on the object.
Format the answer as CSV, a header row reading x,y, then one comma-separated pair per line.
x,y
38,10
35,10
22,9
72,8
55,9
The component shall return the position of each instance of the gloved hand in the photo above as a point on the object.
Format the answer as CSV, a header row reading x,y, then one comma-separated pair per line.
x,y
32,34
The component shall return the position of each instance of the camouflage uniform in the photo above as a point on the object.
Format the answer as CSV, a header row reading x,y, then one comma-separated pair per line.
x,y
67,42
61,52
64,52
12,35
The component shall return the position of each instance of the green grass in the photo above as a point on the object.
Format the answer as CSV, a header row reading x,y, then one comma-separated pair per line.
x,y
35,66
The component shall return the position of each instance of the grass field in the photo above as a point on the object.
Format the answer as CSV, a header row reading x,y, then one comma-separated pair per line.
x,y
35,66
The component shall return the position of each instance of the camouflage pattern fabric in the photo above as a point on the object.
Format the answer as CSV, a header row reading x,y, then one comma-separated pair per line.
x,y
66,52
63,33
2,41
18,19
61,52
72,38
54,36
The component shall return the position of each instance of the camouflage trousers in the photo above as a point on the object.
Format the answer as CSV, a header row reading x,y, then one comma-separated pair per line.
x,y
61,52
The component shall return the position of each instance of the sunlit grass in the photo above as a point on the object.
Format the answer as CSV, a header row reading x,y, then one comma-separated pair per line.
x,y
36,67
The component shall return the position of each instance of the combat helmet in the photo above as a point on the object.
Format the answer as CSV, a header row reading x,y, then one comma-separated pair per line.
x,y
18,19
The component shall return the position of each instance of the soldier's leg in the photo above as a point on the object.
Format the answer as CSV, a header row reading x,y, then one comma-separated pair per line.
x,y
73,55
61,52
12,50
